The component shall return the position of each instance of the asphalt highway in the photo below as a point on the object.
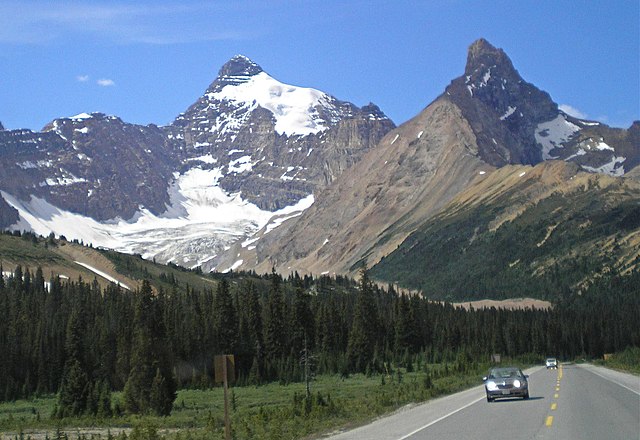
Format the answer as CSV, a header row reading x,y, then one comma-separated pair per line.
x,y
578,402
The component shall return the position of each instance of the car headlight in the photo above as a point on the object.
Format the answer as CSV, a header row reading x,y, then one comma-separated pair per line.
x,y
516,383
491,386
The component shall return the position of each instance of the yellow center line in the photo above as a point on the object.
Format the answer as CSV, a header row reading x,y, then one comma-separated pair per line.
x,y
549,421
557,388
554,406
556,395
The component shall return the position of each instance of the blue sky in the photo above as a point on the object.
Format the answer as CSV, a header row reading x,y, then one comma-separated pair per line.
x,y
147,61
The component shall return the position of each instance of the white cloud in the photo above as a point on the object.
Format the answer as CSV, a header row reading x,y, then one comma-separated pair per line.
x,y
106,82
82,78
572,111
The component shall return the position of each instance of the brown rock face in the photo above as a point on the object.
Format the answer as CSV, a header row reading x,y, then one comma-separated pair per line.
x,y
486,119
372,206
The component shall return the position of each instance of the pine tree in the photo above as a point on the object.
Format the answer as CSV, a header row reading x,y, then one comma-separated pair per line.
x,y
225,319
362,341
104,400
160,398
302,321
250,332
148,357
75,384
274,321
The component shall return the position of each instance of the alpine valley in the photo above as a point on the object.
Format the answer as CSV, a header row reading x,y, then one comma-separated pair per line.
x,y
490,191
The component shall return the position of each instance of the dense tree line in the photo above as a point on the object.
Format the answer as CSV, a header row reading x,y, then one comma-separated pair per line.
x,y
82,342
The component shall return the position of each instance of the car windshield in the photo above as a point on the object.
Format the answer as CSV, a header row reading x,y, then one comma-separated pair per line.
x,y
503,373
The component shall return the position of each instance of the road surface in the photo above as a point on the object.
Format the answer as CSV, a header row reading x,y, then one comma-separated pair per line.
x,y
574,402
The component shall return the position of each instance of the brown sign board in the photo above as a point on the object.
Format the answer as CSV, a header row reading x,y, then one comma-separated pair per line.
x,y
219,367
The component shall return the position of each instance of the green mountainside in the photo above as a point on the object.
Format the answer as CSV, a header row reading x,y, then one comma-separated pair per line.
x,y
538,232
72,260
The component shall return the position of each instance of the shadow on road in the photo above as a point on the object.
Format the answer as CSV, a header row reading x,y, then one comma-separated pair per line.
x,y
518,399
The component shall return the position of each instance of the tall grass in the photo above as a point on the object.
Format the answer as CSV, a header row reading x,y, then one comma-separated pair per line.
x,y
627,360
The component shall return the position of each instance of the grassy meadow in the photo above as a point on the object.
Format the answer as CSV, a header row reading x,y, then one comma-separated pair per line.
x,y
271,411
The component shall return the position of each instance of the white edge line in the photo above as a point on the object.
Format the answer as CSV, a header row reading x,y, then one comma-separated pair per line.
x,y
594,371
441,418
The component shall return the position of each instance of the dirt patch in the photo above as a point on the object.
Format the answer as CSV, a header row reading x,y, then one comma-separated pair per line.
x,y
93,258
509,304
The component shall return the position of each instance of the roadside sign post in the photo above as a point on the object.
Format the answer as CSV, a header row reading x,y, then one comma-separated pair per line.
x,y
224,366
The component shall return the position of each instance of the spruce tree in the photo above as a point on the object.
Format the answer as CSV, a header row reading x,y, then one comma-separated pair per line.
x,y
362,341
274,321
148,357
75,385
302,321
160,398
225,319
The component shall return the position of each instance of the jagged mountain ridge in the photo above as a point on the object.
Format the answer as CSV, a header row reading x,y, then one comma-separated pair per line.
x,y
250,138
276,131
486,119
248,147
517,123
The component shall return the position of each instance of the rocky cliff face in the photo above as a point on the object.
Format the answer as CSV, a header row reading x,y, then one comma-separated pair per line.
x,y
94,165
517,123
279,142
249,146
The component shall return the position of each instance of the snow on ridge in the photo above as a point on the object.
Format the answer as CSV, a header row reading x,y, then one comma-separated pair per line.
x,y
602,146
553,133
234,266
200,221
81,117
508,113
240,165
580,152
102,274
63,181
207,158
485,78
293,107
610,167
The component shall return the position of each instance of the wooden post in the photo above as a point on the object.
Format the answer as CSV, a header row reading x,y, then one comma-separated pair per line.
x,y
227,422
223,375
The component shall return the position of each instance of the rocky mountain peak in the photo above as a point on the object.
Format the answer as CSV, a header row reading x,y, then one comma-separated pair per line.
x,y
236,71
373,112
1,126
482,54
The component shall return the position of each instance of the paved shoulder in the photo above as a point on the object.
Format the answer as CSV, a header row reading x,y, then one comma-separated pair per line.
x,y
625,380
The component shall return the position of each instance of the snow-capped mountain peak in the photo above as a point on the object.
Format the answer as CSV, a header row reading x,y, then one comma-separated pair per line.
x,y
237,70
294,108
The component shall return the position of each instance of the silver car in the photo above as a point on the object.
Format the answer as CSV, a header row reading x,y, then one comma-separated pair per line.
x,y
506,382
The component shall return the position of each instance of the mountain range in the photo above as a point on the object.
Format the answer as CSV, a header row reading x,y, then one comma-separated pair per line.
x,y
259,174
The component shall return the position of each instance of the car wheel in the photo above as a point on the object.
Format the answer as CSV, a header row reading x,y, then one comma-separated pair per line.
x,y
526,396
489,399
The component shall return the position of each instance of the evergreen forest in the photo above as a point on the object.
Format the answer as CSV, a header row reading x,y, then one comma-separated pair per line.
x,y
82,342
